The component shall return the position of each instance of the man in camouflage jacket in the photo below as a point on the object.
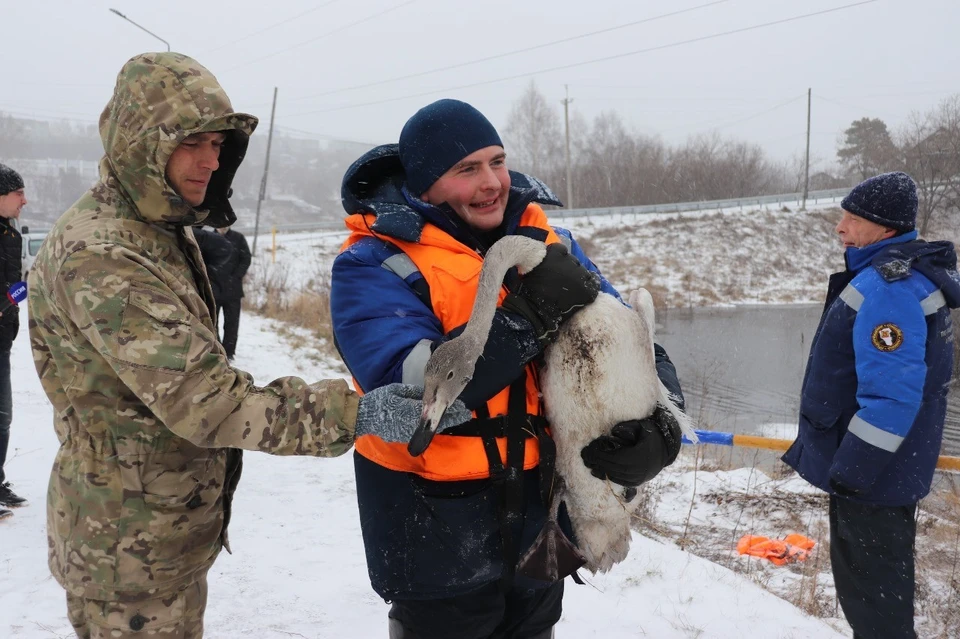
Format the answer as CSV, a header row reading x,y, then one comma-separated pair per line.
x,y
150,415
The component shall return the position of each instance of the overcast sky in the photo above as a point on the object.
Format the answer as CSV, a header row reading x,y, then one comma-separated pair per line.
x,y
881,58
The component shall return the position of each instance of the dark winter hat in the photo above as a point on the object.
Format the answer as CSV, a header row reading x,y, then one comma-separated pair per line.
x,y
10,180
889,199
438,136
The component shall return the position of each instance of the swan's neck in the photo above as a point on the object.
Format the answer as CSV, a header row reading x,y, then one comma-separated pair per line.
x,y
495,266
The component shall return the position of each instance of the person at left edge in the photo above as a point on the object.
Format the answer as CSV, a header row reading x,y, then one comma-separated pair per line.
x,y
12,201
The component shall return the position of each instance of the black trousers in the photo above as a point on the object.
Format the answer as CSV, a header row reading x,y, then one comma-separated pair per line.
x,y
6,407
488,613
872,555
231,324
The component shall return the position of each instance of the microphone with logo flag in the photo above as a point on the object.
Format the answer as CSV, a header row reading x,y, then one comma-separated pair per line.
x,y
16,294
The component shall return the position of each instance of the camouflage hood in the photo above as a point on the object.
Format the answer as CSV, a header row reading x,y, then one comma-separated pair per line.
x,y
160,99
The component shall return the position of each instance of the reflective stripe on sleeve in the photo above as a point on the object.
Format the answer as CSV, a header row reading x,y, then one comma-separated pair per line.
x,y
401,264
933,302
874,436
852,297
416,362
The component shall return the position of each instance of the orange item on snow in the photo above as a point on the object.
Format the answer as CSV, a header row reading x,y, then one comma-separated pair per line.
x,y
793,547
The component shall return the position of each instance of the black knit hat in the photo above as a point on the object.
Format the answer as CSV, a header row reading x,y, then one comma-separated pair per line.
x,y
889,199
438,136
10,180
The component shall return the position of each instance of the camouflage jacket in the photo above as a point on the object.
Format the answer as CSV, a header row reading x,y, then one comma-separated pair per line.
x,y
148,411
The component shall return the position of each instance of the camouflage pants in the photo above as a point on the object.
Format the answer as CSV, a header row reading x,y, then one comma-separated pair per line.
x,y
176,616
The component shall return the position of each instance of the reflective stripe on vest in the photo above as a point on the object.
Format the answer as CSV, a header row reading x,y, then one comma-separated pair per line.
x,y
452,274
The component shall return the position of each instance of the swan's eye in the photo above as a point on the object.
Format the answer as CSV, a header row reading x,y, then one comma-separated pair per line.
x,y
449,375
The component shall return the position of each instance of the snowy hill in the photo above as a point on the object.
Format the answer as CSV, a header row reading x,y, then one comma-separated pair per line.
x,y
684,259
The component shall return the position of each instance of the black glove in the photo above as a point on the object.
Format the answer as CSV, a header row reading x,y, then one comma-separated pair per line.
x,y
634,451
552,292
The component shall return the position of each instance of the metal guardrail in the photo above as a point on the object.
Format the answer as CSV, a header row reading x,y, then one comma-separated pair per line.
x,y
301,227
705,205
642,209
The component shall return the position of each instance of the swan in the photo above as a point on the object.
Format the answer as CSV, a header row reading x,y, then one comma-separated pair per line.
x,y
600,370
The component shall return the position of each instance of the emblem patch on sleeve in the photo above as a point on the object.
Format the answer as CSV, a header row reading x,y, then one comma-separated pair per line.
x,y
887,337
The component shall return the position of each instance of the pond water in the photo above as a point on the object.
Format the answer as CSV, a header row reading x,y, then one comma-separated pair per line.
x,y
741,368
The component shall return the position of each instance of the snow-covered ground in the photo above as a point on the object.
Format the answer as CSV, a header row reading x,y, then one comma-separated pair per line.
x,y
298,565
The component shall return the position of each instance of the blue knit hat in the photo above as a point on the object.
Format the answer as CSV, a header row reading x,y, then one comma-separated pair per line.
x,y
10,180
889,199
438,136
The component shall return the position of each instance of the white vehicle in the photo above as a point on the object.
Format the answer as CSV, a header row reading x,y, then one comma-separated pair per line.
x,y
31,246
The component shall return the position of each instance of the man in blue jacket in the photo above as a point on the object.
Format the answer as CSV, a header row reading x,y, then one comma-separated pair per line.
x,y
443,531
874,399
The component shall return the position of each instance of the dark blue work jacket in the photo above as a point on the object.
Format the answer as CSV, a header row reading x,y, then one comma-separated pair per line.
x,y
874,393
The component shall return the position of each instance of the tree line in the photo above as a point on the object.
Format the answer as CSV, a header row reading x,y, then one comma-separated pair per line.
x,y
613,166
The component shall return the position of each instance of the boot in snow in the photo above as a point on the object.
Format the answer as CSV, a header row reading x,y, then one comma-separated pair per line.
x,y
10,498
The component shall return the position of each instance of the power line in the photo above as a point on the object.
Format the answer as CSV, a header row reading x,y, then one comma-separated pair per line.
x,y
745,97
740,97
60,84
764,112
906,95
851,106
709,124
645,87
314,136
586,62
800,134
83,118
507,54
322,36
274,25
854,106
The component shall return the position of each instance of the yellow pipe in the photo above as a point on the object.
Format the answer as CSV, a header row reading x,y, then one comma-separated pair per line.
x,y
755,441
944,462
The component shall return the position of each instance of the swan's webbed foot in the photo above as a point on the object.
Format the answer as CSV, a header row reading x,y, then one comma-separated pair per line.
x,y
552,556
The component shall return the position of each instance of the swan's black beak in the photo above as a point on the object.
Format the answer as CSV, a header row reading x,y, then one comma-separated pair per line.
x,y
427,428
421,438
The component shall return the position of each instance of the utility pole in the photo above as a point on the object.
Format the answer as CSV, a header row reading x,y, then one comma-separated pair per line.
x,y
806,164
566,126
266,168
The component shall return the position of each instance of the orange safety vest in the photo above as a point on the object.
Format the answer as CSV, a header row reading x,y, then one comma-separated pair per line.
x,y
452,271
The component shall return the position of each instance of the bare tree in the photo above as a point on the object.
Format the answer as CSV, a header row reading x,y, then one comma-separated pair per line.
x,y
534,135
750,173
930,153
604,156
947,122
696,168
